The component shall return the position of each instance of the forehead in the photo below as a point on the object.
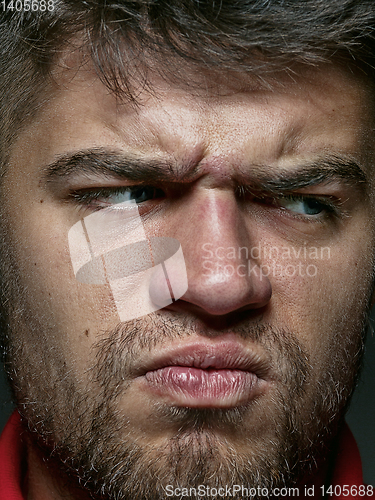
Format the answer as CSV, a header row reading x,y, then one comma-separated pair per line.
x,y
322,110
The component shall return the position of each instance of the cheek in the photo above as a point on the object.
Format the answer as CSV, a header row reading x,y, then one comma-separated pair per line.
x,y
56,309
326,300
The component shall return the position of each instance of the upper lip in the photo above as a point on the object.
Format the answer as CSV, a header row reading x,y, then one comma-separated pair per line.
x,y
219,355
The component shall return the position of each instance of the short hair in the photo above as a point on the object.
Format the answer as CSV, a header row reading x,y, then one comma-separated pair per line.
x,y
255,36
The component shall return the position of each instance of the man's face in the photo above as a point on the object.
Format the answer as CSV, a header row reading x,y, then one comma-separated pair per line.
x,y
266,192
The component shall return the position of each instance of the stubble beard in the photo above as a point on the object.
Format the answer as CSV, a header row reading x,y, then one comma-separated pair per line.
x,y
85,432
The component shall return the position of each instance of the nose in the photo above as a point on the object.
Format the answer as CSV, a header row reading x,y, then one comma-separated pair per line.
x,y
217,244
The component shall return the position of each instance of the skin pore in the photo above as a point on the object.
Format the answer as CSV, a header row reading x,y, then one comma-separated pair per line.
x,y
286,168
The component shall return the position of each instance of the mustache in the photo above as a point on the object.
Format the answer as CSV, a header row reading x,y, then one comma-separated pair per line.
x,y
119,348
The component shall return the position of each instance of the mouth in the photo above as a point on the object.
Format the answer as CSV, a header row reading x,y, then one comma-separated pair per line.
x,y
220,374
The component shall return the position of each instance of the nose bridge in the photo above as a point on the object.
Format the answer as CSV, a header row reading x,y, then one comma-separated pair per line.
x,y
219,226
216,243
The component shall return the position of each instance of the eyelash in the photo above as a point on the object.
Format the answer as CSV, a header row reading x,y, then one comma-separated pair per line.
x,y
86,197
331,207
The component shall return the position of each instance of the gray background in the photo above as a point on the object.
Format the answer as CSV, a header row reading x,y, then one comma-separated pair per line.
x,y
361,416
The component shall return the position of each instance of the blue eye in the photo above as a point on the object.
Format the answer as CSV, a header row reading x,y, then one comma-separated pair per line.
x,y
105,197
139,194
304,205
142,194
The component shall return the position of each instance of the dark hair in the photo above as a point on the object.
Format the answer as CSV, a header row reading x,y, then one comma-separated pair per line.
x,y
258,36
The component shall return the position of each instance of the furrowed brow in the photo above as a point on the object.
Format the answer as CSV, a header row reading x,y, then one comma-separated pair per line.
x,y
322,171
113,164
102,162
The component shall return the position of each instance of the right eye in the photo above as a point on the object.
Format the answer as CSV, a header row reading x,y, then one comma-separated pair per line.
x,y
99,198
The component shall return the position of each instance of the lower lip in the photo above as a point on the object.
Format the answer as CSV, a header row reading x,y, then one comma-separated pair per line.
x,y
197,388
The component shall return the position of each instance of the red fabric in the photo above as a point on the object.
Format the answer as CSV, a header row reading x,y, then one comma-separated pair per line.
x,y
347,470
12,453
348,467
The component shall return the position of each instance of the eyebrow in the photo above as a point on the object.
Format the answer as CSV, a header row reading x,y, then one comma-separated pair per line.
x,y
323,170
269,179
123,166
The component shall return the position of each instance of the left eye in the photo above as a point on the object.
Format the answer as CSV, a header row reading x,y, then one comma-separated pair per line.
x,y
304,205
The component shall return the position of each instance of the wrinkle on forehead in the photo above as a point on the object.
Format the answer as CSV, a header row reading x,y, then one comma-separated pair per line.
x,y
323,109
